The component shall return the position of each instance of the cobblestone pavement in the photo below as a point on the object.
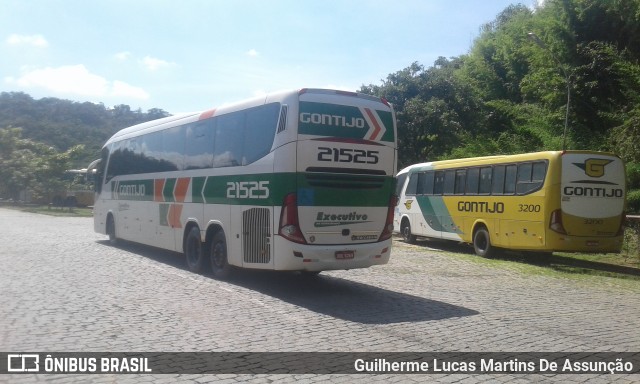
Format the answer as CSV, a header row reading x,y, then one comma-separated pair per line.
x,y
63,288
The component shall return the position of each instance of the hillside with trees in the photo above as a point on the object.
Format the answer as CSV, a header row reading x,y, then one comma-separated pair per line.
x,y
41,139
508,94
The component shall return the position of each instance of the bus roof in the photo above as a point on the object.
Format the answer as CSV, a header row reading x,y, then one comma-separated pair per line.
x,y
482,160
166,122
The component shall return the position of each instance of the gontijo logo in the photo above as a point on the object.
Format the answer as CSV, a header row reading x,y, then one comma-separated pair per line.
x,y
593,167
325,119
330,119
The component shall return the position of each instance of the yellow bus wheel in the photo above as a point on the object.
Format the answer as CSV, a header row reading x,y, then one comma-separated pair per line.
x,y
482,243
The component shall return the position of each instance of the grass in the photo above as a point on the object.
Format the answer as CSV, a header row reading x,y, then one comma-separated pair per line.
x,y
624,267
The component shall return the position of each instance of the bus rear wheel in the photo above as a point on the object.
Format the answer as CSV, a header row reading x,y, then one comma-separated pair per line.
x,y
218,256
482,243
196,261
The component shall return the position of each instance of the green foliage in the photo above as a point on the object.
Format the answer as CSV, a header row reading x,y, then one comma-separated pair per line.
x,y
633,175
509,94
29,165
633,201
63,124
53,136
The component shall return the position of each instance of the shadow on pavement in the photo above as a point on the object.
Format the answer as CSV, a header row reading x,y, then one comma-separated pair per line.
x,y
332,296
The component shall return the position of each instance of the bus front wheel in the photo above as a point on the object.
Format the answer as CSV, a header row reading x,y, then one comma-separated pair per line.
x,y
218,255
193,251
405,229
111,230
482,243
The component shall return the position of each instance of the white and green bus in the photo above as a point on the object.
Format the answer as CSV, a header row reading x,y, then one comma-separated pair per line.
x,y
300,180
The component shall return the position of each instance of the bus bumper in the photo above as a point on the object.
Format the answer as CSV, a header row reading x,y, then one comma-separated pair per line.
x,y
306,257
585,244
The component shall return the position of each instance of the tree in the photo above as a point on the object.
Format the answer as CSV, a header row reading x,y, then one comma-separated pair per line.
x,y
18,163
26,165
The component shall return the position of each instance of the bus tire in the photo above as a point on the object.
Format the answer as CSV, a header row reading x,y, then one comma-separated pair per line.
x,y
111,230
196,260
218,255
482,243
405,230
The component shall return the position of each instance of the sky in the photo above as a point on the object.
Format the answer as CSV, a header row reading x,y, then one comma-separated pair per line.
x,y
193,55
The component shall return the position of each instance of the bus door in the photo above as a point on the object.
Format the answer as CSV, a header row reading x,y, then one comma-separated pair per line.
x,y
345,167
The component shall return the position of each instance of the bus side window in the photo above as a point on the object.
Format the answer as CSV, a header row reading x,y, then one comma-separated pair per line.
x,y
412,186
400,184
438,184
199,145
449,182
261,125
485,180
510,180
173,147
420,185
530,177
117,164
497,186
473,181
539,172
229,139
428,183
461,179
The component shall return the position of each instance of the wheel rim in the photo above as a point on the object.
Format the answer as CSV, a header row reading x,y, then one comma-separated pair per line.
x,y
218,255
481,242
406,232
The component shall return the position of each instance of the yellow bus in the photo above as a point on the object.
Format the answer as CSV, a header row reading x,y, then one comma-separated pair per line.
x,y
544,202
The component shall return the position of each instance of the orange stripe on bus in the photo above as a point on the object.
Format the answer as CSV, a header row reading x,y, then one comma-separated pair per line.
x,y
207,114
175,211
158,186
180,191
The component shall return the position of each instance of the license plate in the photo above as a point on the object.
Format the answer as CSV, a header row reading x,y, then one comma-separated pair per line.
x,y
594,243
344,255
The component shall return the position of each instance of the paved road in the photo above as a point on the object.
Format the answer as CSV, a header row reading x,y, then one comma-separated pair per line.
x,y
63,288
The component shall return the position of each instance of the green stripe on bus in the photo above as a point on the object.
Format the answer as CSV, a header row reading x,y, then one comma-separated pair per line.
x,y
436,214
197,185
167,191
268,189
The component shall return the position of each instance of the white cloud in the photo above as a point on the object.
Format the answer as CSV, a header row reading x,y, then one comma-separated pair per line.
x,y
252,53
154,64
75,80
21,40
260,93
120,88
122,56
